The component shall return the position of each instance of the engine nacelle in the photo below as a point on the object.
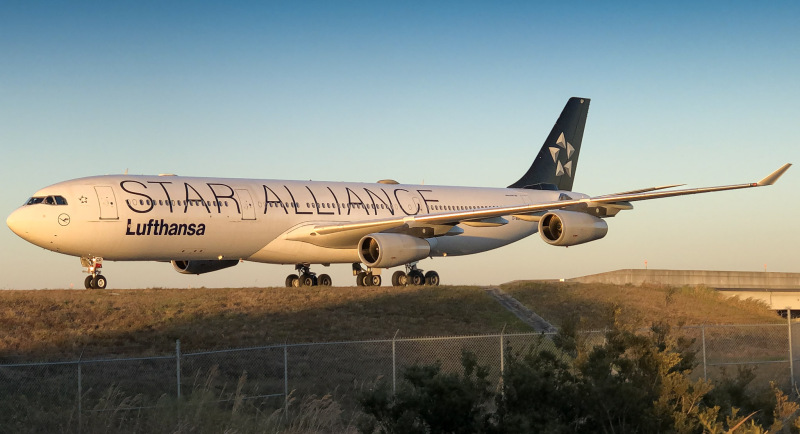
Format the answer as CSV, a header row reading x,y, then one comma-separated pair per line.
x,y
200,267
568,228
389,250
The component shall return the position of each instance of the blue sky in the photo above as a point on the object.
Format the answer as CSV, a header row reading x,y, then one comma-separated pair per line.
x,y
453,93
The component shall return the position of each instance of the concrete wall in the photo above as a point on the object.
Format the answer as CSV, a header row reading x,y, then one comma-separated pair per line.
x,y
712,279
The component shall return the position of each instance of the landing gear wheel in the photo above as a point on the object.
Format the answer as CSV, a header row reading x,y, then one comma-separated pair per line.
x,y
88,282
99,282
416,277
374,279
361,279
324,280
366,280
399,278
308,280
292,281
432,278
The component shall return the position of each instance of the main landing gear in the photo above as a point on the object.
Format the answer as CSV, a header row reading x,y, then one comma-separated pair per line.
x,y
305,277
415,276
365,277
94,280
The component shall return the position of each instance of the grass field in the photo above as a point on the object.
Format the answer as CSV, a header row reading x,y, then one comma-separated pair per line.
x,y
64,323
61,325
592,304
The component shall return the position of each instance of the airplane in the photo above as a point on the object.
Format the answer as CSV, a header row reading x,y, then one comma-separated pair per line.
x,y
202,225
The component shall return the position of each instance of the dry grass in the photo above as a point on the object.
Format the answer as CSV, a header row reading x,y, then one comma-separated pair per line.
x,y
64,323
592,304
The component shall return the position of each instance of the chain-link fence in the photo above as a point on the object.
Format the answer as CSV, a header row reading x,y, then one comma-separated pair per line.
x,y
68,393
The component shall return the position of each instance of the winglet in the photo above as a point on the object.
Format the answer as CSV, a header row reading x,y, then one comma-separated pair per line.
x,y
772,177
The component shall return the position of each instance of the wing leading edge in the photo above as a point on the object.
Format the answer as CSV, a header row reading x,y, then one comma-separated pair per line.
x,y
347,235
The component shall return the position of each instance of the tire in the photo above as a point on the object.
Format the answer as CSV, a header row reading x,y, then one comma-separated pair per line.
x,y
99,282
289,279
88,282
416,278
308,280
360,278
432,278
399,278
374,280
324,280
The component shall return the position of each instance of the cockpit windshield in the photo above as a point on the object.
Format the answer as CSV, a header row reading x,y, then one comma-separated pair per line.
x,y
47,200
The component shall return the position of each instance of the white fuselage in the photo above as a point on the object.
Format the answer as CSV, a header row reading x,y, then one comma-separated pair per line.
x,y
163,218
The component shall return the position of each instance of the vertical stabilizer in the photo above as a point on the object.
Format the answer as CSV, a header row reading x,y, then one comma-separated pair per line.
x,y
555,165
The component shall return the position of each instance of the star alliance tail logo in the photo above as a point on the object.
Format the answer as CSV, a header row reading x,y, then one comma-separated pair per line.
x,y
566,167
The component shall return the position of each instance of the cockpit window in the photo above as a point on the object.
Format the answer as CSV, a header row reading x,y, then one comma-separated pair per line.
x,y
47,200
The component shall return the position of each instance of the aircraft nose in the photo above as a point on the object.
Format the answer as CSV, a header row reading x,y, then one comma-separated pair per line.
x,y
16,223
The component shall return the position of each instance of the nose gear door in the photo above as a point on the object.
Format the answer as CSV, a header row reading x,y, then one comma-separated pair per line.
x,y
107,202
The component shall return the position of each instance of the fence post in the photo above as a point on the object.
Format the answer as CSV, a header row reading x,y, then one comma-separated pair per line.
x,y
286,380
502,360
791,359
178,364
502,352
394,362
80,393
705,366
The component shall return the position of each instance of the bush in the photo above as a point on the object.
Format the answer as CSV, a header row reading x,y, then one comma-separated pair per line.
x,y
634,382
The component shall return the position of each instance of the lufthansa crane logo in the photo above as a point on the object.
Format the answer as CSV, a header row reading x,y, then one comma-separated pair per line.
x,y
63,219
566,167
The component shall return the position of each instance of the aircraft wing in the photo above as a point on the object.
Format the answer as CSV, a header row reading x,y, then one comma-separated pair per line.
x,y
347,235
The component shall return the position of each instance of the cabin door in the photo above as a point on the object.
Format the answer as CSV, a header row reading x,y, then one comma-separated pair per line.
x,y
108,203
246,203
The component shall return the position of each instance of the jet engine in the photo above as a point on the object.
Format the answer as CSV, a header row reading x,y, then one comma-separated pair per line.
x,y
200,267
569,228
389,250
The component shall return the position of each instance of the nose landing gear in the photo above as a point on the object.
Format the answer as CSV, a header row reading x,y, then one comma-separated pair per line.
x,y
94,280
